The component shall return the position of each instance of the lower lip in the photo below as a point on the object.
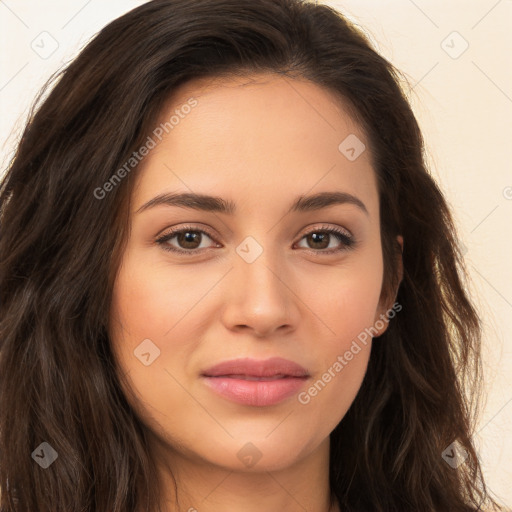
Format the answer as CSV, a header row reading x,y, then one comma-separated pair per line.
x,y
255,392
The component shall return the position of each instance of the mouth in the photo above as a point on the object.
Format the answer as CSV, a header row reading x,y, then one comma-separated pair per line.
x,y
255,391
256,382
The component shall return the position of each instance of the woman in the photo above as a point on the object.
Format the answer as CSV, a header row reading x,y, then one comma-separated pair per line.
x,y
207,222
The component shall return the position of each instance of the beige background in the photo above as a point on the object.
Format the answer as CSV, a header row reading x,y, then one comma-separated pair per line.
x,y
463,101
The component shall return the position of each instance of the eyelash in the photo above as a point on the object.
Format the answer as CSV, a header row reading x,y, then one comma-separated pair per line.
x,y
348,242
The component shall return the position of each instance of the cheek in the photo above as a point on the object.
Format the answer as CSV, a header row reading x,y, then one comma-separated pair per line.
x,y
150,301
345,314
343,352
344,300
145,313
156,311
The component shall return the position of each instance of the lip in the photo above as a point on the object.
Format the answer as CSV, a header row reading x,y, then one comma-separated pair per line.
x,y
256,382
257,368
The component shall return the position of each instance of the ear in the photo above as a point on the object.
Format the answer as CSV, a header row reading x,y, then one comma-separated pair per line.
x,y
382,317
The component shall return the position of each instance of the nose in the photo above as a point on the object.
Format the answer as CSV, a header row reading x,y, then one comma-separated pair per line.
x,y
260,297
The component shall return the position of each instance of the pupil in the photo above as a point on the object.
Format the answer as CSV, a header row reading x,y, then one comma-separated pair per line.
x,y
322,237
188,237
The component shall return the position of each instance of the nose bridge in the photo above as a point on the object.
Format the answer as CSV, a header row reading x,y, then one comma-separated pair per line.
x,y
258,265
261,298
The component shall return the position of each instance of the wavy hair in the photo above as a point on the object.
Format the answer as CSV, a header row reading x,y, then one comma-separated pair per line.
x,y
60,248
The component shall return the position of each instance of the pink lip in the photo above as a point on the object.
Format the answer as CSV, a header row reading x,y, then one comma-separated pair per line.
x,y
277,379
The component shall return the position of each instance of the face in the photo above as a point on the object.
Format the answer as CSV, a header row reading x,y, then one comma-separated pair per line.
x,y
199,286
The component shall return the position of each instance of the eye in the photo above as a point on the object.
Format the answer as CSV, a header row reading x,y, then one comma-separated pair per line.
x,y
190,238
321,237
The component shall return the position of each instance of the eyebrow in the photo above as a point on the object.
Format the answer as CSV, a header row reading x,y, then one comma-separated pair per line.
x,y
209,203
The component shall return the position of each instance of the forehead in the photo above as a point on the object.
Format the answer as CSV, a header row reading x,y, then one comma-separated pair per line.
x,y
263,133
265,96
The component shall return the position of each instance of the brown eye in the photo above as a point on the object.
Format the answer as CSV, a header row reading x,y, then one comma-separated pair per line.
x,y
320,239
188,240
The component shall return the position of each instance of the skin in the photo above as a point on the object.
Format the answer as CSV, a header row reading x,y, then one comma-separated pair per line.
x,y
260,142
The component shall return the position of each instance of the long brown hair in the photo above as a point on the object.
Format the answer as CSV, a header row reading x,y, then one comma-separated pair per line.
x,y
60,247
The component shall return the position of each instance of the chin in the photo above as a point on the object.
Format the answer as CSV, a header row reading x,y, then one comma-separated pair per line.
x,y
259,455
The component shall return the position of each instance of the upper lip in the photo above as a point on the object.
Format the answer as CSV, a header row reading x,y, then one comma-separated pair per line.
x,y
257,368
